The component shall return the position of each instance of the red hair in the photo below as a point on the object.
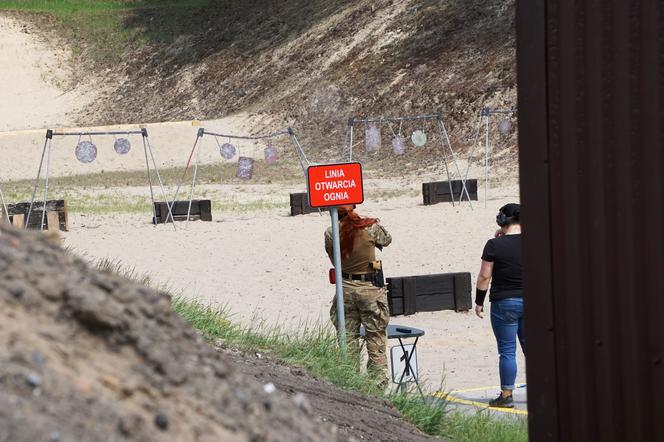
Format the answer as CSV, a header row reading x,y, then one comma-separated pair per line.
x,y
350,223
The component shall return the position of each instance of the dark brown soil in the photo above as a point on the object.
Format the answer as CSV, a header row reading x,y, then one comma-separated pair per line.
x,y
356,416
86,356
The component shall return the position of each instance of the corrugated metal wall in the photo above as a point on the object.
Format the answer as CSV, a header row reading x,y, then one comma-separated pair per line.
x,y
591,122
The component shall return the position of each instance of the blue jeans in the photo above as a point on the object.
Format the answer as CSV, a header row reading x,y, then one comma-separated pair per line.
x,y
507,324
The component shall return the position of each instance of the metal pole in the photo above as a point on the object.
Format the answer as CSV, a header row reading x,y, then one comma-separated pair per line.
x,y
456,164
350,146
486,159
193,182
298,146
34,190
89,133
4,206
147,166
336,247
447,170
343,146
302,158
474,146
48,167
161,184
199,136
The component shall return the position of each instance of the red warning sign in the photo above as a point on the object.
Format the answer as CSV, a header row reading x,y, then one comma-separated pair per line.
x,y
335,184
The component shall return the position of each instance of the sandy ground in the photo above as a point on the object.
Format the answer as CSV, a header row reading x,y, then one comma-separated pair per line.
x,y
268,266
32,78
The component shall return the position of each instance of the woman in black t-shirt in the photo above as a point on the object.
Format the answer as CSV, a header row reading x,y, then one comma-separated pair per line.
x,y
501,266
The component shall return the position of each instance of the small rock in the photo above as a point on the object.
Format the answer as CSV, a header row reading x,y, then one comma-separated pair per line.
x,y
297,371
302,403
83,386
33,379
161,421
130,425
259,356
55,437
38,359
269,388
111,382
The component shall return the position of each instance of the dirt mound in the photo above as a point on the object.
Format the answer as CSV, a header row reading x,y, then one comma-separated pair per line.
x,y
358,417
87,356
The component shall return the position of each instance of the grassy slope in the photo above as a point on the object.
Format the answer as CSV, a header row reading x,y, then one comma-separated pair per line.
x,y
315,350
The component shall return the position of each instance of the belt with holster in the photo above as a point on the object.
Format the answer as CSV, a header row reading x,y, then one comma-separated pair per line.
x,y
369,277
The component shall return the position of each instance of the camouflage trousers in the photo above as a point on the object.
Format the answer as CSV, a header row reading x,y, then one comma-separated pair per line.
x,y
365,305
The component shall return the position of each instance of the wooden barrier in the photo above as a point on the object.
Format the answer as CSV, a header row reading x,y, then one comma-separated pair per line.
x,y
299,204
57,215
429,293
439,191
200,210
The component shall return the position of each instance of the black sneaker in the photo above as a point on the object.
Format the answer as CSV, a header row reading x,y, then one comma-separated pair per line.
x,y
502,402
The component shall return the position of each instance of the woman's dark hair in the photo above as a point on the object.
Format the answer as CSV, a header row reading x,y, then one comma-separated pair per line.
x,y
509,214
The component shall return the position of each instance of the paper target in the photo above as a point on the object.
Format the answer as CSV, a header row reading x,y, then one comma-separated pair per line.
x,y
505,126
419,138
86,152
372,138
399,145
227,151
271,154
122,146
245,168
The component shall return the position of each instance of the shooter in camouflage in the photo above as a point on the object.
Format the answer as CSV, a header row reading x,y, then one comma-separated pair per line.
x,y
364,303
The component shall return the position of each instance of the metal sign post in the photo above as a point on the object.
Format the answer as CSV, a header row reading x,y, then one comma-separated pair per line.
x,y
336,247
333,185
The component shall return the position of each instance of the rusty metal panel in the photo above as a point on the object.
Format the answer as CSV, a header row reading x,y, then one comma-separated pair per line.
x,y
591,111
534,173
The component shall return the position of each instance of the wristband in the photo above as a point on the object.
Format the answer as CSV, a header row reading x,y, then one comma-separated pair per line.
x,y
479,296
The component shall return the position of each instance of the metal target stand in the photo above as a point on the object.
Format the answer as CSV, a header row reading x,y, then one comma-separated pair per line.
x,y
48,146
4,206
484,120
445,144
302,157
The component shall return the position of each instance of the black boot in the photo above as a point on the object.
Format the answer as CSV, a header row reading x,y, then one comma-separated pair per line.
x,y
502,402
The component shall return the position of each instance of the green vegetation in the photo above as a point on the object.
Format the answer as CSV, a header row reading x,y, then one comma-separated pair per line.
x,y
116,267
106,193
108,27
281,173
68,7
315,350
118,202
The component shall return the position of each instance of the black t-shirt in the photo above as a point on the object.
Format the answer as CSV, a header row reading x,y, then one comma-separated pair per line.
x,y
506,279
